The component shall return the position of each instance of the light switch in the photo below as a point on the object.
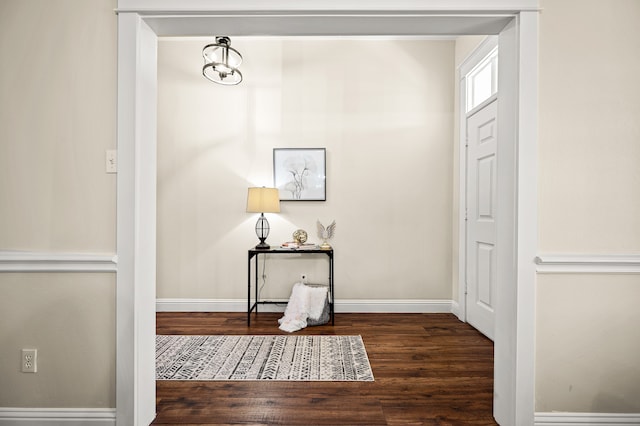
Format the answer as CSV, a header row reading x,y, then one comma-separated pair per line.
x,y
111,164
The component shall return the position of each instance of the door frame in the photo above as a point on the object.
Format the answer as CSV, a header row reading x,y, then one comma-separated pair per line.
x,y
470,62
141,22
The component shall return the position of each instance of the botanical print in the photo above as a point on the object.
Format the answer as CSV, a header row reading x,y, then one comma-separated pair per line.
x,y
299,174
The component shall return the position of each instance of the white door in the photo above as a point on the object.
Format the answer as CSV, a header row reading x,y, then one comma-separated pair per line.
x,y
481,221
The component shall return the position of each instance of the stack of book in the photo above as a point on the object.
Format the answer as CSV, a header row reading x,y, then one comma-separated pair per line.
x,y
297,246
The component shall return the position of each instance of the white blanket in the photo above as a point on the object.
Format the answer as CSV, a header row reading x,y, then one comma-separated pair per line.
x,y
305,302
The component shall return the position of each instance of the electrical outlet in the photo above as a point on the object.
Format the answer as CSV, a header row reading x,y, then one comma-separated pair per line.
x,y
303,278
29,360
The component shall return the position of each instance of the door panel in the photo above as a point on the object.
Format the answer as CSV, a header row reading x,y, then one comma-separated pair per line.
x,y
485,274
481,218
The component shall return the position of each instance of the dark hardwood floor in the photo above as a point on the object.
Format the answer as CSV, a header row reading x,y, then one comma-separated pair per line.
x,y
429,369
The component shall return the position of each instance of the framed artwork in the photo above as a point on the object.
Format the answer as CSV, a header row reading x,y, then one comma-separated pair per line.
x,y
299,173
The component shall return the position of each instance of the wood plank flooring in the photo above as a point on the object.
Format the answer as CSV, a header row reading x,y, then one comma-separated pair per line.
x,y
429,369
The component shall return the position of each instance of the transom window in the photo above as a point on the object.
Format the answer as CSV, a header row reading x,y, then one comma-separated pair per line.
x,y
482,80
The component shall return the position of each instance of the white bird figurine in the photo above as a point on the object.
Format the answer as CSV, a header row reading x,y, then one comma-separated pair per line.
x,y
326,234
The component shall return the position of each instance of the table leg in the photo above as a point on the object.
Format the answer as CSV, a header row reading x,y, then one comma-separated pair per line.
x,y
249,291
257,282
332,310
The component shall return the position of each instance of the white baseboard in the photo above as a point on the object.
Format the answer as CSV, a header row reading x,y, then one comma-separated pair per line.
x,y
342,306
455,309
586,419
202,305
57,416
394,306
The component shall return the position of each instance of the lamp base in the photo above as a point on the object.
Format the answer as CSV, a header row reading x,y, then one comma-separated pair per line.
x,y
262,246
262,231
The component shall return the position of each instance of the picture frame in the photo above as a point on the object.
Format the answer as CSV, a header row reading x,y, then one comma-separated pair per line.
x,y
300,173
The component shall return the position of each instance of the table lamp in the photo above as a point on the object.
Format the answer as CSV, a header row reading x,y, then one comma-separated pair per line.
x,y
263,200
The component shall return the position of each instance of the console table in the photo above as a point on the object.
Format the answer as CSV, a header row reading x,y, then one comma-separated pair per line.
x,y
255,254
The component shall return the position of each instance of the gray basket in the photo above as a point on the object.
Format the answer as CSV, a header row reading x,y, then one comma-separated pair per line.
x,y
325,315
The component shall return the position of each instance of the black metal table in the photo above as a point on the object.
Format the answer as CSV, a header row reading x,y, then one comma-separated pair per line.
x,y
255,253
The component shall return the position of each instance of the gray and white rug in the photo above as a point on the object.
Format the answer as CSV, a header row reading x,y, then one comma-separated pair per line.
x,y
297,358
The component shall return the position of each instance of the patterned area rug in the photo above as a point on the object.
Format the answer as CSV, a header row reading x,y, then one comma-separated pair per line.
x,y
297,358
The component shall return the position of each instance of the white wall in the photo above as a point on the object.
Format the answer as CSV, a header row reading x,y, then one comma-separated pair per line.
x,y
70,319
588,355
57,118
384,112
589,131
587,326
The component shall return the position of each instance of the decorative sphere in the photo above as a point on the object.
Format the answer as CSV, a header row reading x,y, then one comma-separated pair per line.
x,y
300,236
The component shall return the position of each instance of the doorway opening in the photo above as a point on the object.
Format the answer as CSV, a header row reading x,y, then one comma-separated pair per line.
x,y
137,61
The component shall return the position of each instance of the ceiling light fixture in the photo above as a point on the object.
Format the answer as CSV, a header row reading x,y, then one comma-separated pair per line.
x,y
221,62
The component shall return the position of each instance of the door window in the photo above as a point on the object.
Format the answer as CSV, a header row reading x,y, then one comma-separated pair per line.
x,y
482,80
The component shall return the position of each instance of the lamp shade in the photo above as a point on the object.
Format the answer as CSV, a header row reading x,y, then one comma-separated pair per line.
x,y
263,200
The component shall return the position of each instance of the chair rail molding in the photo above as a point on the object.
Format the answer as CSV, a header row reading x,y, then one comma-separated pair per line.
x,y
574,263
27,261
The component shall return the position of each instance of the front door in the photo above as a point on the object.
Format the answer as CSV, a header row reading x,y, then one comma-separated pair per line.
x,y
481,221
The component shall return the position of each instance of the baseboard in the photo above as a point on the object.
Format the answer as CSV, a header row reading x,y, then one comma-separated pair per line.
x,y
455,309
57,416
344,306
201,305
394,306
586,419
